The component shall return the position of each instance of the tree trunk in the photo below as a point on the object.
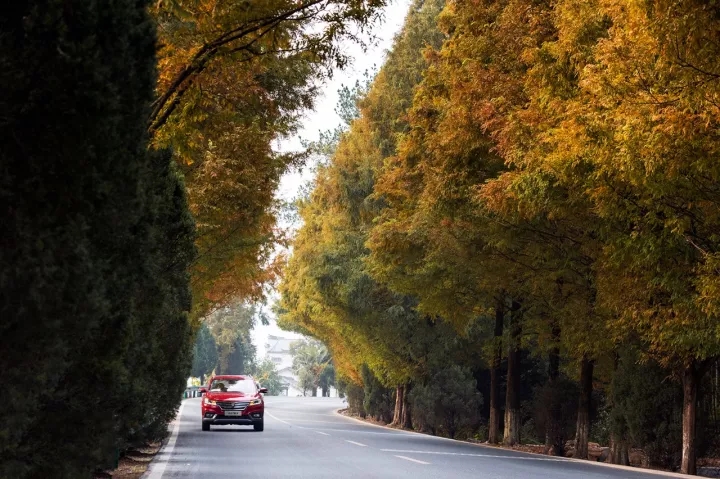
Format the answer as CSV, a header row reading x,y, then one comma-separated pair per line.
x,y
397,414
618,451
690,383
406,419
554,440
314,391
715,376
512,396
582,430
494,421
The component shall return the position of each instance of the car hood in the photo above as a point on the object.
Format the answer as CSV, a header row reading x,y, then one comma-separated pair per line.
x,y
219,396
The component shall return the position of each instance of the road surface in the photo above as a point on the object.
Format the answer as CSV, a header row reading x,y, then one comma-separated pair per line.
x,y
305,438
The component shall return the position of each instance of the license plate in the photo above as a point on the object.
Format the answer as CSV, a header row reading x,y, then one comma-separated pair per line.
x,y
233,413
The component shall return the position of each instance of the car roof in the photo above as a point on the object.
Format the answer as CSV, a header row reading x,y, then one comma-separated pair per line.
x,y
231,376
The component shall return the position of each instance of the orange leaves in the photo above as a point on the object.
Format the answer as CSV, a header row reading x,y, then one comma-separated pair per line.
x,y
497,196
563,152
220,110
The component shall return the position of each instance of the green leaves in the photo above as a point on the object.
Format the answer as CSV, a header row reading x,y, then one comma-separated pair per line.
x,y
311,363
266,374
558,155
97,242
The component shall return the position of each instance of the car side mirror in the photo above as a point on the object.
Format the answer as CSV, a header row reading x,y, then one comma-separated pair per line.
x,y
262,390
202,390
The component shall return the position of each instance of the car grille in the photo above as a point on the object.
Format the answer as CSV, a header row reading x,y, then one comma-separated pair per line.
x,y
233,405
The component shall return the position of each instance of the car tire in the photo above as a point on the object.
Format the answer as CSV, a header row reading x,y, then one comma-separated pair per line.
x,y
205,426
259,426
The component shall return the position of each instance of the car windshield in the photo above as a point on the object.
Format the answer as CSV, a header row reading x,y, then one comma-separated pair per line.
x,y
245,386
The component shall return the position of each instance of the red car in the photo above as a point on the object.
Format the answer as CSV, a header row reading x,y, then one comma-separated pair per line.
x,y
232,400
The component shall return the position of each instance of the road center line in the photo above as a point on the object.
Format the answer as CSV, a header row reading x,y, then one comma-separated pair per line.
x,y
323,433
413,460
356,443
304,414
284,422
312,420
494,456
405,435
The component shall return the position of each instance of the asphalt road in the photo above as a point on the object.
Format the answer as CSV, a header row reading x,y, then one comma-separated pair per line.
x,y
305,438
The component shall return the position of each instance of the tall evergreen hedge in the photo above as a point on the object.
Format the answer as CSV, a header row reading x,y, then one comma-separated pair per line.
x,y
95,241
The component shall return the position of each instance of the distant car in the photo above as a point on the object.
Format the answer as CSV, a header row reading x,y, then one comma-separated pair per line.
x,y
232,400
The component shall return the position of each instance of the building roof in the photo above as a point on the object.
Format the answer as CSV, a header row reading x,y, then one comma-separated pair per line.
x,y
278,344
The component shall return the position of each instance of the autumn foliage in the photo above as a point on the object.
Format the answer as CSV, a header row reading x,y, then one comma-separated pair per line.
x,y
234,79
138,176
547,175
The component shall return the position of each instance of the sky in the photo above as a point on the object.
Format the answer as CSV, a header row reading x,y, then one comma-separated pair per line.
x,y
323,117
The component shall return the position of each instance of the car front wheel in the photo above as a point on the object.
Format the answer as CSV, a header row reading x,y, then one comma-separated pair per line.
x,y
205,426
259,426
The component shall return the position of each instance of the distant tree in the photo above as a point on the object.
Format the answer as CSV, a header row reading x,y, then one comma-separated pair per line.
x,y
306,382
327,379
230,327
310,359
240,359
205,355
266,374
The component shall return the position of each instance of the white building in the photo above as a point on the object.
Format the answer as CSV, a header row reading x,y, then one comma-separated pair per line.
x,y
277,349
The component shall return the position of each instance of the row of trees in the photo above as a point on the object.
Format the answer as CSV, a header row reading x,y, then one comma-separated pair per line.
x,y
137,173
96,241
536,182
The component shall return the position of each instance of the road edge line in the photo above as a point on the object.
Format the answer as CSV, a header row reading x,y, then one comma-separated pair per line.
x,y
496,448
156,469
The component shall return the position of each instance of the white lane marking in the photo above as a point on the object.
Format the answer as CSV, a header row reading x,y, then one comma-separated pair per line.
x,y
304,414
498,456
356,443
579,461
312,420
158,467
323,433
413,460
404,434
284,422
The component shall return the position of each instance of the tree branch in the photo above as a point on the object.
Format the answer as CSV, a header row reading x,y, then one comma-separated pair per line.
x,y
166,103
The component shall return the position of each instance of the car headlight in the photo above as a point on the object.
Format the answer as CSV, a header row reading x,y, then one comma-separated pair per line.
x,y
255,401
209,402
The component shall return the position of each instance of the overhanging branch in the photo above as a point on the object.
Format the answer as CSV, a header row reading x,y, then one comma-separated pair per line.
x,y
166,104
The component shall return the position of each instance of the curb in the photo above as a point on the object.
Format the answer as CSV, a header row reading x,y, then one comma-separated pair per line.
x,y
525,453
150,473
